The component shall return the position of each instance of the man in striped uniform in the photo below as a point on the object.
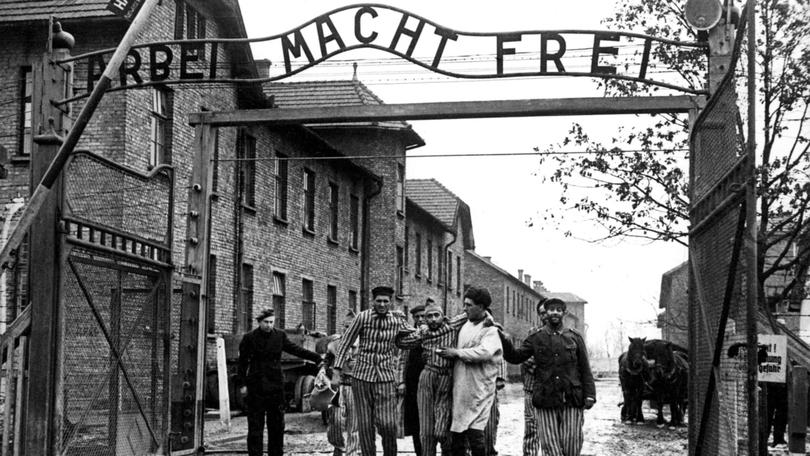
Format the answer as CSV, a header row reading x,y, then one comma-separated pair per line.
x,y
435,383
563,382
531,436
376,372
412,362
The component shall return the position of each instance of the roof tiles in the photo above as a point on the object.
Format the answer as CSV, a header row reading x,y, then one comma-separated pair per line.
x,y
36,10
434,198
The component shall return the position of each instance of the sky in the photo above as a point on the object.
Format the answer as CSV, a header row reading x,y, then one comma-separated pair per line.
x,y
619,280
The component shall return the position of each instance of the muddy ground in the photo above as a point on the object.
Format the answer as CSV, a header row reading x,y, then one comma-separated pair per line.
x,y
604,433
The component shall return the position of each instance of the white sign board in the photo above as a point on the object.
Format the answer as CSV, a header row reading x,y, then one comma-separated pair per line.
x,y
774,369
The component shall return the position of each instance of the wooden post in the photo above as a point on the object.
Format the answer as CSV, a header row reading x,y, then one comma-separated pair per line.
x,y
188,385
19,394
797,410
8,389
42,422
222,381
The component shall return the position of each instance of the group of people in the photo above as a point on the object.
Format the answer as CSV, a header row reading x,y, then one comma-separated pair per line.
x,y
450,368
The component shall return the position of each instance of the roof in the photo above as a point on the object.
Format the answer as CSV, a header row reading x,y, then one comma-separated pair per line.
x,y
443,205
566,297
37,10
497,268
320,94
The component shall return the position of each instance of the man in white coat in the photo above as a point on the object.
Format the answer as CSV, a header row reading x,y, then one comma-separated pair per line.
x,y
478,356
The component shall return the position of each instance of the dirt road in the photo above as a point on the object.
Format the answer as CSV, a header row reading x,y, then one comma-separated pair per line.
x,y
604,434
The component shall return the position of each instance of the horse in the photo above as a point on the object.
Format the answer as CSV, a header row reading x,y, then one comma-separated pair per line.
x,y
668,374
632,370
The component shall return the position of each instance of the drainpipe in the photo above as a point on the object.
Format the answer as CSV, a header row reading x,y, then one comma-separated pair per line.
x,y
11,208
364,254
448,279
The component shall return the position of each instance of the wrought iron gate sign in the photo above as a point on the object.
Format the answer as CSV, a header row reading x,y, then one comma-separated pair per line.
x,y
600,54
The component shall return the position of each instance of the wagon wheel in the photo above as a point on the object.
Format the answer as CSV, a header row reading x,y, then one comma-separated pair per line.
x,y
303,389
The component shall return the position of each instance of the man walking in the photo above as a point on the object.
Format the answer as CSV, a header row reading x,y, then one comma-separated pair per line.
x,y
477,356
435,382
531,435
342,429
563,383
376,372
260,370
412,365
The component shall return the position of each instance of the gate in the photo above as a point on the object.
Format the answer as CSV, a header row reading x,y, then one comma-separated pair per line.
x,y
115,301
720,321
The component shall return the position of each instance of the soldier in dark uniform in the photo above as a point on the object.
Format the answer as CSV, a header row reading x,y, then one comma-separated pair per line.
x,y
260,370
411,370
563,382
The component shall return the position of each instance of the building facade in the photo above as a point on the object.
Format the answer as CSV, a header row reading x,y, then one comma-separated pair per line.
x,y
674,300
438,231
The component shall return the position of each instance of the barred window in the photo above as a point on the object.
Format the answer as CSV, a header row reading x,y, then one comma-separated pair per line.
x,y
331,309
354,209
418,252
353,300
245,306
429,260
334,196
400,272
307,305
25,111
309,200
279,297
159,131
400,188
246,149
281,178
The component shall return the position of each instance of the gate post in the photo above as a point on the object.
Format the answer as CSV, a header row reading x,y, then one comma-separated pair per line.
x,y
43,420
188,385
797,410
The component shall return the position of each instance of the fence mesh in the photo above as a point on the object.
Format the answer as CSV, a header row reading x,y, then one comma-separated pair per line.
x,y
720,172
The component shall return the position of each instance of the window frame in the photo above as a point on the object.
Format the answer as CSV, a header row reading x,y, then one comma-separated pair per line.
x,y
280,298
400,196
418,252
308,305
26,92
308,200
281,175
333,198
354,221
159,127
331,309
246,151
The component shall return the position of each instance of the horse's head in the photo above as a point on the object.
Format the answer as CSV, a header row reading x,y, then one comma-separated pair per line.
x,y
636,359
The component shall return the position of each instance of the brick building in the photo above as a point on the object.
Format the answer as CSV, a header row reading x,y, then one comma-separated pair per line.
x,y
438,231
514,301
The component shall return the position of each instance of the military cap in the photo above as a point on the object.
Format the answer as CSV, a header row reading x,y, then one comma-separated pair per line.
x,y
552,301
419,308
267,312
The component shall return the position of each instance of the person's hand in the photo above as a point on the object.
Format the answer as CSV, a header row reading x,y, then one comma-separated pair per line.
x,y
499,383
423,328
243,391
589,401
449,353
401,389
335,379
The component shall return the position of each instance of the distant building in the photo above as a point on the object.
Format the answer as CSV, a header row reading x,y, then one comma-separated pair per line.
x,y
514,301
438,230
674,300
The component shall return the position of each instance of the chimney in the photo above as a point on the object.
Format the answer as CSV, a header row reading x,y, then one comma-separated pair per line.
x,y
488,259
527,279
520,275
263,67
538,286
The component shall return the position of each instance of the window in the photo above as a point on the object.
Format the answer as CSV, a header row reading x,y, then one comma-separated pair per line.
x,y
450,271
309,200
331,309
279,299
400,272
514,303
188,22
418,255
211,302
334,195
307,305
407,247
458,276
26,89
429,260
400,188
354,209
353,300
215,163
158,153
281,177
246,151
439,263
508,303
244,309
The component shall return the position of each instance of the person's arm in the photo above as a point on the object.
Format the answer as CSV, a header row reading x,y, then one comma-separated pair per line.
x,y
586,376
346,342
245,355
407,340
515,355
458,321
291,347
489,346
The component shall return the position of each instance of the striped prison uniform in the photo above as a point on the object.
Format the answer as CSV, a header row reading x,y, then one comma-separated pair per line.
x,y
531,436
434,394
491,431
375,374
560,430
344,434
